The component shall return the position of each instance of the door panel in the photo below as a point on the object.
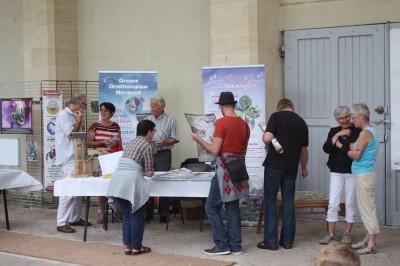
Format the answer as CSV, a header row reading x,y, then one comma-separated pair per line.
x,y
393,183
325,68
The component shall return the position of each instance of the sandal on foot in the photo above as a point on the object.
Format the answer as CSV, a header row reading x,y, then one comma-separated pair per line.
x,y
128,251
366,250
141,250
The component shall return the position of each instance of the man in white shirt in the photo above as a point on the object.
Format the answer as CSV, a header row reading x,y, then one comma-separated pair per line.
x,y
165,138
68,120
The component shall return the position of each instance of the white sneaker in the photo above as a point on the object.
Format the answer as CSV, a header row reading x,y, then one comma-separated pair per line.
x,y
361,244
346,239
327,239
366,250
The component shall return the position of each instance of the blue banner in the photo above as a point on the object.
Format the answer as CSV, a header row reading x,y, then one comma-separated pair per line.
x,y
130,92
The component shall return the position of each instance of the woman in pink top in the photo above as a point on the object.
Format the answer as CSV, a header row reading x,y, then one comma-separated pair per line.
x,y
104,136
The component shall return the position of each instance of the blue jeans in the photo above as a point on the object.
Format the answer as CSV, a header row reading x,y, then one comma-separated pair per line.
x,y
273,179
132,224
229,239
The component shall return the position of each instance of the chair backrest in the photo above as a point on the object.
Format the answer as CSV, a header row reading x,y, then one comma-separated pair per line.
x,y
190,160
198,167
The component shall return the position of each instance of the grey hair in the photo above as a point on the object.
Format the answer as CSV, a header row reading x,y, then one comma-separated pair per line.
x,y
78,98
340,110
361,109
160,100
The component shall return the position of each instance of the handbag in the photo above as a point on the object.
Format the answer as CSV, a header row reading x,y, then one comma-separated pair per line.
x,y
237,170
237,167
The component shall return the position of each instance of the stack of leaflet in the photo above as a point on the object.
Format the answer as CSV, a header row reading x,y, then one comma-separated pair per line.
x,y
201,176
181,174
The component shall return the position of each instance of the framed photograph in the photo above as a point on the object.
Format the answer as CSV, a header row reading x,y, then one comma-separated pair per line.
x,y
16,116
32,151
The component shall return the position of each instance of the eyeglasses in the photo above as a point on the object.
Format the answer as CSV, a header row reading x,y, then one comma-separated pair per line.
x,y
343,118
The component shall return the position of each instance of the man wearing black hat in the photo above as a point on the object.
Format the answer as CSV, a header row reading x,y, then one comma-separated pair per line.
x,y
231,136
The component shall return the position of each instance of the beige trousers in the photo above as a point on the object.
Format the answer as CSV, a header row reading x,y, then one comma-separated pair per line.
x,y
365,192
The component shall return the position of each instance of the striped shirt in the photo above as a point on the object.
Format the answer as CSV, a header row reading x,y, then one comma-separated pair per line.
x,y
166,127
103,132
141,151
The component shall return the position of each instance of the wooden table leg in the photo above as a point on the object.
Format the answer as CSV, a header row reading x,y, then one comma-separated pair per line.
x,y
5,208
260,217
86,218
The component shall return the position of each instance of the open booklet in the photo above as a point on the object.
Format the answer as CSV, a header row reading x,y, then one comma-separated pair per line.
x,y
203,125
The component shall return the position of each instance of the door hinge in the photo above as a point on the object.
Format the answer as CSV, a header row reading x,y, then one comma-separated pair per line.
x,y
281,53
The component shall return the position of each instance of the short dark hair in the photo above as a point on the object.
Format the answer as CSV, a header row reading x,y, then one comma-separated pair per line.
x,y
144,126
108,106
284,104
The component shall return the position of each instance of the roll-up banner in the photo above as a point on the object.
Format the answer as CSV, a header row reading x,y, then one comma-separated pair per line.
x,y
130,92
247,83
52,104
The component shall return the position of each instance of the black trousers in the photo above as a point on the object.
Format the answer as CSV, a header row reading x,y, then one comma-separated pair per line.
x,y
162,162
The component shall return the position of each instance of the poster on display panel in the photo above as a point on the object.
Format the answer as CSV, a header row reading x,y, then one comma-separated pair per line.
x,y
130,92
52,104
247,83
16,116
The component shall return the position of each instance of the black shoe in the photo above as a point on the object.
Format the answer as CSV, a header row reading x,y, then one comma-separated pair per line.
x,y
163,219
214,251
285,246
262,245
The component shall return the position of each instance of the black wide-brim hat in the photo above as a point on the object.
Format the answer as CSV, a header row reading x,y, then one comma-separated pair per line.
x,y
226,97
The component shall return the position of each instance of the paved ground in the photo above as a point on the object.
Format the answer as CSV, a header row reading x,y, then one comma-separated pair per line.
x,y
185,239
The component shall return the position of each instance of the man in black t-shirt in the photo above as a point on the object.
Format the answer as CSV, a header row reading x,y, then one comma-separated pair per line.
x,y
291,131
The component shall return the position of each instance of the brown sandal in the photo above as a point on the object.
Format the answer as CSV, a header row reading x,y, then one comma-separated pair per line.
x,y
128,250
142,249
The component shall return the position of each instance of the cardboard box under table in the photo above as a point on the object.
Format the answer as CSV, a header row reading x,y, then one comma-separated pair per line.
x,y
192,210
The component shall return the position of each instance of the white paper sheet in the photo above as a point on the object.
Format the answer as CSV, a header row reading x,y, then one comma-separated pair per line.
x,y
109,162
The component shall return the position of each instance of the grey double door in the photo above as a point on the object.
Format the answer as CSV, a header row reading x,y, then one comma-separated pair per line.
x,y
328,67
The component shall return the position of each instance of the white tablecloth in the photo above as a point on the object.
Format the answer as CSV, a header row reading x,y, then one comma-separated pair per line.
x,y
18,180
97,186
